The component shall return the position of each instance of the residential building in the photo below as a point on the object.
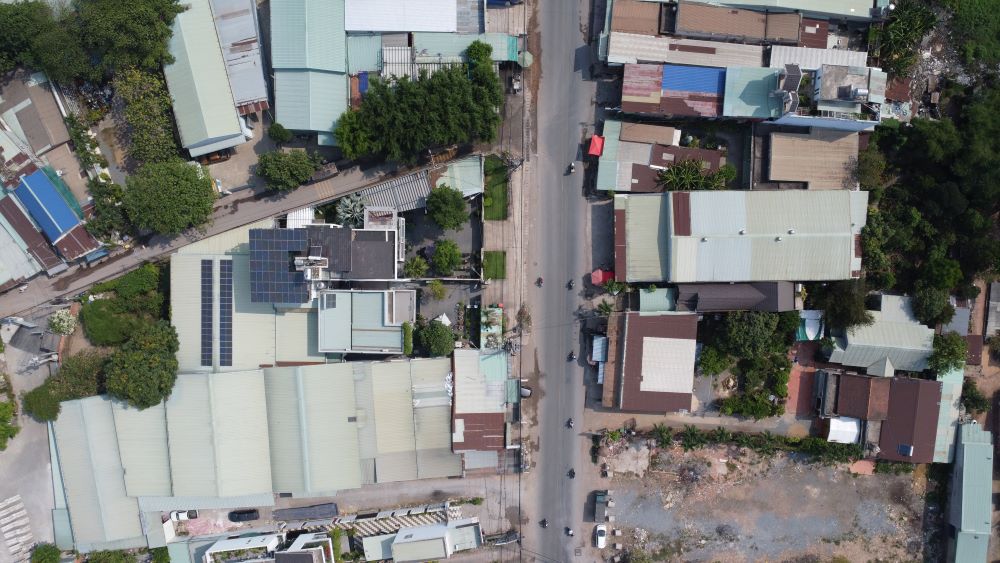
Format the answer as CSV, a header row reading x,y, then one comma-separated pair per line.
x,y
833,10
425,543
910,429
363,321
17,263
992,310
812,58
246,548
756,93
970,508
817,159
894,341
42,196
16,218
739,236
717,23
841,97
687,91
480,421
309,63
401,15
239,36
948,414
657,362
630,48
719,297
632,156
203,104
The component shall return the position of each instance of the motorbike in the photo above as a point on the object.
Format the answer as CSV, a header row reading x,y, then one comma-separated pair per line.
x,y
572,356
569,531
544,523
569,423
571,168
572,473
570,284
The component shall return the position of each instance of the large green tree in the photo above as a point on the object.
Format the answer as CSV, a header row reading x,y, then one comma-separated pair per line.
x,y
31,34
436,339
447,208
843,303
931,305
447,257
285,171
128,34
144,370
750,334
949,353
169,197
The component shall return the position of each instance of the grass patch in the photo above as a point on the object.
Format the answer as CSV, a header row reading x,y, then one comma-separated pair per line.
x,y
494,264
497,191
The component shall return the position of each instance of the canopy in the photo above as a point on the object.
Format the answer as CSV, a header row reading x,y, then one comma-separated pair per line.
x,y
600,277
596,146
444,319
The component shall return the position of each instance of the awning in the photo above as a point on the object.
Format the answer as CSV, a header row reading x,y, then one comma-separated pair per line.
x,y
596,146
600,277
844,430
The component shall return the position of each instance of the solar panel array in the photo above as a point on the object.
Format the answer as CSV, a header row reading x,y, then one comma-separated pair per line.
x,y
226,313
272,277
206,312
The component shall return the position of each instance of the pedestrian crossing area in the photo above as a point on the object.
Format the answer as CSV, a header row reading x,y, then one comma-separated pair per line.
x,y
16,529
390,525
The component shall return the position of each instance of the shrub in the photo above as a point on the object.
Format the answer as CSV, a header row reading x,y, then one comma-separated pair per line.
x,y
62,322
436,290
41,404
407,339
664,435
713,361
46,553
105,324
147,112
447,257
8,423
143,279
279,134
436,339
973,399
415,267
285,171
160,555
447,208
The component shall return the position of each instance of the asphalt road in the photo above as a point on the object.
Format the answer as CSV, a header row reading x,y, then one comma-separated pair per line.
x,y
561,251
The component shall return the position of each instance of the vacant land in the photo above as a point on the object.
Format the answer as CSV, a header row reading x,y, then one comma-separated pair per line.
x,y
721,504
495,199
494,264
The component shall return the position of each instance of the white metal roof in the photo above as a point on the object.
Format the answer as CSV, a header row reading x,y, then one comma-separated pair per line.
x,y
667,365
844,430
142,442
236,24
203,101
811,58
633,48
401,15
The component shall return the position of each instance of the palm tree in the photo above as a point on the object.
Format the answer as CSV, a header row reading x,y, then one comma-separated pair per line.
x,y
351,210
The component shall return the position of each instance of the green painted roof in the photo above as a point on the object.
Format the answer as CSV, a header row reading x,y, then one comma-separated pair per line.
x,y
465,175
947,422
749,93
454,45
658,301
310,100
607,166
972,492
364,53
308,34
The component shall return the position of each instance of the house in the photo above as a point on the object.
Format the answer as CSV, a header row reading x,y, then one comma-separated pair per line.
x,y
674,90
364,321
720,297
739,236
483,389
993,310
755,93
203,101
234,439
832,10
309,63
631,48
17,263
38,195
401,15
970,494
657,362
894,341
811,59
841,97
239,37
257,548
425,543
910,429
16,222
819,159
626,158
718,23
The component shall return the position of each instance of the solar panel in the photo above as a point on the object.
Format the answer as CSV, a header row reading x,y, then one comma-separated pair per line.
x,y
226,313
272,276
206,312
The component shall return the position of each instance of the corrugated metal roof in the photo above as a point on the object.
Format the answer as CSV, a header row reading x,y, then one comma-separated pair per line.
x,y
851,9
404,193
50,211
704,80
647,230
100,510
633,16
660,300
401,15
947,431
809,58
607,166
142,442
296,338
450,45
470,16
393,397
970,507
750,93
822,158
308,35
364,52
475,392
198,83
632,48
310,100
465,175
16,262
236,24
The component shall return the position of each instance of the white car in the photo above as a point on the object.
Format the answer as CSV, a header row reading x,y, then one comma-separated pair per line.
x,y
181,515
601,536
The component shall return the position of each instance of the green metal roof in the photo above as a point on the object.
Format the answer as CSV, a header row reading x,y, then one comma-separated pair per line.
x,y
749,93
851,9
198,83
947,422
308,34
309,100
364,53
659,300
607,166
454,45
465,175
972,492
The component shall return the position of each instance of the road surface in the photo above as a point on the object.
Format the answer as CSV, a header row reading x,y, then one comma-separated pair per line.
x,y
232,211
560,248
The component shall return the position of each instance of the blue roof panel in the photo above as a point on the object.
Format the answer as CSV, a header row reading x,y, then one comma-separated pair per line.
x,y
705,80
42,201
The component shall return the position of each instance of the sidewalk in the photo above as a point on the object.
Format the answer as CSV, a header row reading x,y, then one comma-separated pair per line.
x,y
230,212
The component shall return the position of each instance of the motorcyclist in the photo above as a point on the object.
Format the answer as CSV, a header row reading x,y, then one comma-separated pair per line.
x,y
571,284
544,523
570,423
572,473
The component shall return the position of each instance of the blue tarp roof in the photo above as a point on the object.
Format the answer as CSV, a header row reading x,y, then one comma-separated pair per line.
x,y
706,80
42,201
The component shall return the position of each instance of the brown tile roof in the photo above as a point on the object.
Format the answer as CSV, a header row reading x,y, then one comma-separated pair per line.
x,y
813,33
715,297
483,431
637,328
667,156
914,406
641,133
76,243
974,356
620,244
632,16
644,179
863,397
681,219
36,243
705,21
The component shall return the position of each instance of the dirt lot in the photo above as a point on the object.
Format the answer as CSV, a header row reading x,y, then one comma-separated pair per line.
x,y
722,504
